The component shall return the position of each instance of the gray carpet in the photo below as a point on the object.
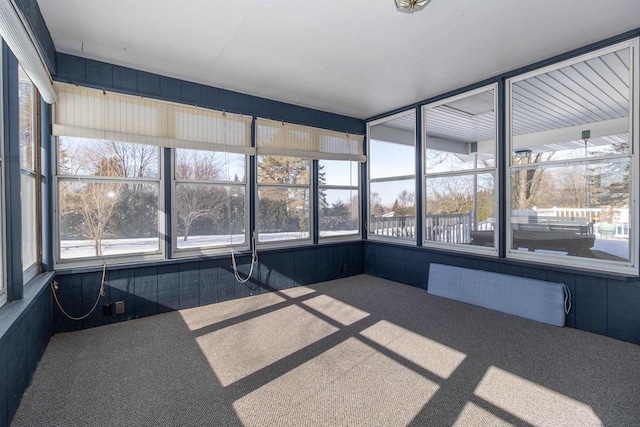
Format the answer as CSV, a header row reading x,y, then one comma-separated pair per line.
x,y
360,351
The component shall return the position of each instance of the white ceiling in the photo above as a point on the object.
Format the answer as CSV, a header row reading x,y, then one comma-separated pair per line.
x,y
359,58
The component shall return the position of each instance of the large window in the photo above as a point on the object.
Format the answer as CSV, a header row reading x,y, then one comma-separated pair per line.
x,y
460,171
108,198
573,159
110,182
338,199
210,195
284,188
286,157
392,178
29,170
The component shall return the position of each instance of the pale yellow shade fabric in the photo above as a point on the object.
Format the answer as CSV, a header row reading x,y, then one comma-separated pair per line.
x,y
285,139
96,114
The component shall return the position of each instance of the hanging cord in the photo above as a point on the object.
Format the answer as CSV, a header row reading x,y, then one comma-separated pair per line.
x,y
54,288
254,251
567,299
254,260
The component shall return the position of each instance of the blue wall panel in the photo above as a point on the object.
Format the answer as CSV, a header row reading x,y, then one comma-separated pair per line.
x,y
90,291
170,89
178,285
623,315
209,96
325,270
189,285
168,287
276,271
591,305
125,79
99,74
227,285
74,68
306,270
208,282
146,291
120,286
25,329
253,286
70,296
31,12
4,381
601,305
190,92
16,365
148,84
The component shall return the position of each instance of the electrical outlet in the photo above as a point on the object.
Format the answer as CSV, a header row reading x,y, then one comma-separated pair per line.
x,y
119,307
107,310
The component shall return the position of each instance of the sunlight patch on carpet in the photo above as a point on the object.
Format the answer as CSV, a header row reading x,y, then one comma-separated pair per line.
x,y
424,352
207,315
246,347
533,402
350,381
335,309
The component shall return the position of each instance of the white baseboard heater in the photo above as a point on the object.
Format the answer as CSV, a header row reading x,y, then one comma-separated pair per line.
x,y
546,302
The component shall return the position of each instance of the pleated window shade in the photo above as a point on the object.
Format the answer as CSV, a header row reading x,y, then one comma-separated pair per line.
x,y
95,114
285,139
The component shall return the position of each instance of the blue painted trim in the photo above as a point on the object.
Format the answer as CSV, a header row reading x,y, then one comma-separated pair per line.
x,y
251,209
167,183
13,208
419,177
101,75
518,71
47,153
503,175
364,193
43,41
314,202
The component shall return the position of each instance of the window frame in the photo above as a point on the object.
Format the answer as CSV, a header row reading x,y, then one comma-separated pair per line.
x,y
414,177
626,268
207,250
346,237
312,204
107,259
35,173
3,224
495,171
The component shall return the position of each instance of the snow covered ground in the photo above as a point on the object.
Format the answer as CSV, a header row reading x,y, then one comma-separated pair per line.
x,y
617,247
70,249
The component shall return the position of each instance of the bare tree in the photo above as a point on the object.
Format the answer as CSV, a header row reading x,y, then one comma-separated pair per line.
x,y
528,184
195,201
94,201
137,160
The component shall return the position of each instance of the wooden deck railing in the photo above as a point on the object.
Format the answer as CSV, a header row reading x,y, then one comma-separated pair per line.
x,y
449,228
394,226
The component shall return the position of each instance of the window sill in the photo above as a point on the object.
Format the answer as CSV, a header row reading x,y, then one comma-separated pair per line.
x,y
12,311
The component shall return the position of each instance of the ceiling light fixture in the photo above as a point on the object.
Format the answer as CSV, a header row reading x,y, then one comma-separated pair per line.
x,y
411,5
